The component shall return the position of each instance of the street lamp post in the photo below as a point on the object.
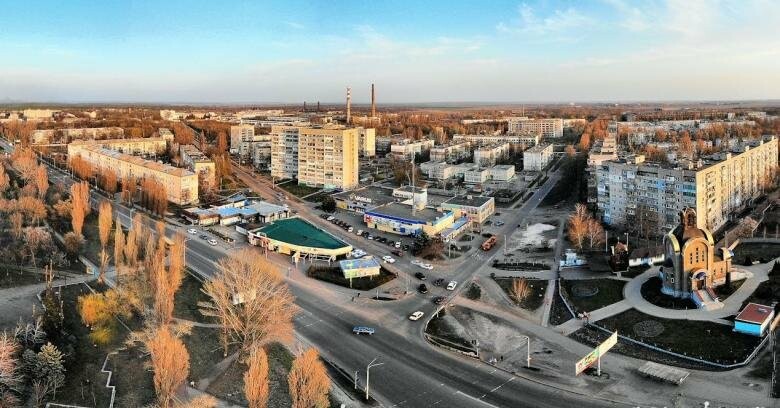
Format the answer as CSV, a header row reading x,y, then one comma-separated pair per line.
x,y
527,352
368,368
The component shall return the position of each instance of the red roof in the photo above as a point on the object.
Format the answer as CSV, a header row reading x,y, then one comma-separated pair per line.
x,y
755,313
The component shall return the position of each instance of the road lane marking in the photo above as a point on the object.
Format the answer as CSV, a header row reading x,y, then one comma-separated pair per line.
x,y
502,384
476,399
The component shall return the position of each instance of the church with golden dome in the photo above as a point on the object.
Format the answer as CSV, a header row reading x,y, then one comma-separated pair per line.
x,y
692,265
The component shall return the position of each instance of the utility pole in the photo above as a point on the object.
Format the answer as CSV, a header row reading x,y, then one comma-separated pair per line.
x,y
368,368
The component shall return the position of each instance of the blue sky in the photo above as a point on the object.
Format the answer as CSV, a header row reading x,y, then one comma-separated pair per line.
x,y
432,51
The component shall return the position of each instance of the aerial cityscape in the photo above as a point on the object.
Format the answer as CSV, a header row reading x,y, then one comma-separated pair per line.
x,y
399,204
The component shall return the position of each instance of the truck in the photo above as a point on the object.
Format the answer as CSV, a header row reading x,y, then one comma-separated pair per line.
x,y
489,243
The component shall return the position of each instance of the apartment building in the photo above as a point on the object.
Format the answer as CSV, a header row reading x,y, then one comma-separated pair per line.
x,y
47,136
39,114
409,148
165,134
486,156
317,156
537,157
437,170
451,152
527,140
367,143
546,128
181,184
200,164
143,146
630,190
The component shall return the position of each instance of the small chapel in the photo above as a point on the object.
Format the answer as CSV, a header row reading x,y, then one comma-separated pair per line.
x,y
692,265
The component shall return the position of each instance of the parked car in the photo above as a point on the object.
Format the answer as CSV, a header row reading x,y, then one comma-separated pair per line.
x,y
452,285
213,242
500,223
439,300
350,229
204,236
420,276
423,288
397,244
363,330
438,282
426,266
192,231
397,252
406,247
359,232
365,234
389,259
330,218
416,315
370,237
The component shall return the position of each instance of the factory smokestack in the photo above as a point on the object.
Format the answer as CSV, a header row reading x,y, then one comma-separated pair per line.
x,y
349,105
304,106
318,106
373,102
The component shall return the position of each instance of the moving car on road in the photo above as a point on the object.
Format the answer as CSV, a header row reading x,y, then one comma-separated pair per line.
x,y
426,266
389,259
213,242
451,285
397,252
204,236
363,330
416,315
192,231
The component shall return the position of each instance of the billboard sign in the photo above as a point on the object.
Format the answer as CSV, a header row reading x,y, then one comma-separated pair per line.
x,y
595,355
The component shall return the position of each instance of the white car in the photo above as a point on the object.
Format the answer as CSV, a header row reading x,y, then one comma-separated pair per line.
x,y
416,315
359,232
416,262
192,231
331,218
357,253
350,229
213,242
426,266
397,244
451,285
389,259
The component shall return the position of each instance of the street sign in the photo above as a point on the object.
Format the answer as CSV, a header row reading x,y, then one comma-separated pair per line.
x,y
595,355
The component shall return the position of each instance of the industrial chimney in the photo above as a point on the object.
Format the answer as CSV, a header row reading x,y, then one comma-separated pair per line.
x,y
304,106
349,105
318,106
373,102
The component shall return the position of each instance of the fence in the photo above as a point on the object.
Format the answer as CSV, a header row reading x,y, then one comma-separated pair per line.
x,y
683,356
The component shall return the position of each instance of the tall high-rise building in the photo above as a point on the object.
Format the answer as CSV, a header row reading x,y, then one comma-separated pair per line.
x,y
631,191
324,156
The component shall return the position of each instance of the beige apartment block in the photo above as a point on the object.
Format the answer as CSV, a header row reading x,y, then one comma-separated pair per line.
x,y
317,156
197,162
717,186
547,128
144,146
181,184
367,146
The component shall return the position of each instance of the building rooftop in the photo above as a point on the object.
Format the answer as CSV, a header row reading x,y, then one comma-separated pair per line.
x,y
403,211
467,200
138,161
755,313
504,166
538,148
371,194
297,231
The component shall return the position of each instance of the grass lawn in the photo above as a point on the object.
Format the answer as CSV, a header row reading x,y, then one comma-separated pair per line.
x,y
187,298
710,341
609,291
205,351
441,329
535,297
757,251
84,383
132,377
767,291
651,291
333,274
635,271
298,190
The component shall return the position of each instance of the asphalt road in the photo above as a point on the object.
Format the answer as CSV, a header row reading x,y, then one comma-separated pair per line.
x,y
414,374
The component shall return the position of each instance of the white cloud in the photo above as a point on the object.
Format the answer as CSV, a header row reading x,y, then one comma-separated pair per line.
x,y
559,21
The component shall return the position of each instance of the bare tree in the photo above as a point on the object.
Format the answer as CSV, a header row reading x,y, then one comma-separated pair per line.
x,y
256,379
42,181
578,226
595,233
520,289
10,377
119,245
5,182
17,222
170,363
250,300
308,381
79,193
105,219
